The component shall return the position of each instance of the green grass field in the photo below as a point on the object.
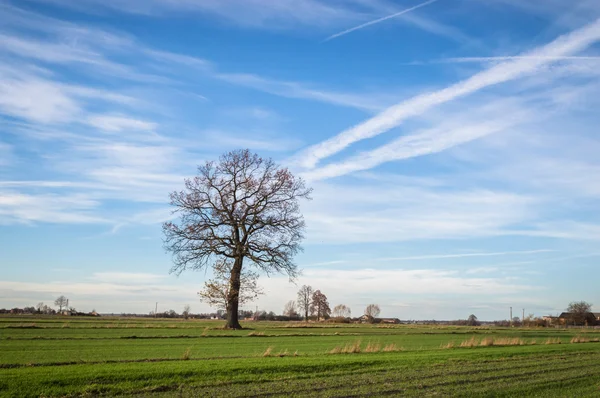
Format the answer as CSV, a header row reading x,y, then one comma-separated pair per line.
x,y
58,357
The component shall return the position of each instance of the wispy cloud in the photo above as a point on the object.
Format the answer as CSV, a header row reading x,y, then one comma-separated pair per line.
x,y
262,14
16,207
449,134
464,255
369,212
460,60
379,20
116,123
565,45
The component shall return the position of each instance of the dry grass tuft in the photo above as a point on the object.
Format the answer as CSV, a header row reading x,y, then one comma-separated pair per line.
x,y
353,348
296,353
66,325
267,352
373,347
205,332
580,339
186,354
509,341
472,342
392,348
350,348
256,334
447,346
283,353
487,342
555,340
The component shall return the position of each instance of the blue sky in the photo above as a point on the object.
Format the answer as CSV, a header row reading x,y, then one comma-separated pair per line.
x,y
452,146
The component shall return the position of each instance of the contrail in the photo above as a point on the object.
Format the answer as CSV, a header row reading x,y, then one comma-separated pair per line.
x,y
566,45
380,20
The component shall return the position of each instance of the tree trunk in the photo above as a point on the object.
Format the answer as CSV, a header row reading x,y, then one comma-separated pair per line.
x,y
234,295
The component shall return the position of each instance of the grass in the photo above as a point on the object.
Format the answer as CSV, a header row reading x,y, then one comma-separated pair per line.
x,y
155,358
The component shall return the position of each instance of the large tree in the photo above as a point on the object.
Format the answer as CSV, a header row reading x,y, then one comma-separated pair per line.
x,y
341,310
216,291
61,302
579,312
242,208
319,305
304,299
290,309
372,311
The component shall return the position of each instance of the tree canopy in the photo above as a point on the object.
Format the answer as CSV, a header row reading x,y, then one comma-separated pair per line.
x,y
241,208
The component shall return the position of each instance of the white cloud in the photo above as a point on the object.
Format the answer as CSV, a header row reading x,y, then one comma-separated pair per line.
x,y
51,208
379,212
264,14
565,45
5,154
129,278
463,255
117,123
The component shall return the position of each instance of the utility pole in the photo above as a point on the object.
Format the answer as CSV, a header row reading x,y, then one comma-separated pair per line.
x,y
155,309
523,318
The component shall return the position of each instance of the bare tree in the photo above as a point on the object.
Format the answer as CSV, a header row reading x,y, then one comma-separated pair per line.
x,y
290,309
40,307
319,305
242,208
472,320
61,302
216,291
304,299
341,310
186,311
579,312
372,311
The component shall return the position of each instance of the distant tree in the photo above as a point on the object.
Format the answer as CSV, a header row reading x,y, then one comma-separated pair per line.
x,y
290,309
216,291
61,302
472,320
372,311
341,310
579,311
241,208
304,299
39,307
186,311
319,305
